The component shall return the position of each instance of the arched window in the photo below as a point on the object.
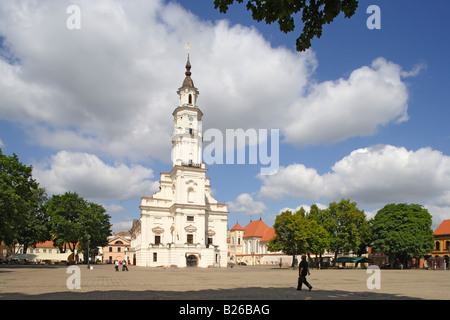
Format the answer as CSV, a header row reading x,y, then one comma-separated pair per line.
x,y
190,98
438,246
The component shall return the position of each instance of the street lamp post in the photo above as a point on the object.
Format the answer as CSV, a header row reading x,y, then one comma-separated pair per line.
x,y
88,242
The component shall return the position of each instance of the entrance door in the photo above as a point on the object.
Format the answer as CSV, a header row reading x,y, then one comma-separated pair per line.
x,y
191,261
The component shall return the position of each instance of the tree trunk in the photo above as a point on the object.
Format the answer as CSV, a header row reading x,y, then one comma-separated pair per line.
x,y
25,248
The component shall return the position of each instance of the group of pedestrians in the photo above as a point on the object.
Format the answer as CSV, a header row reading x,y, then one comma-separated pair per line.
x,y
303,271
124,265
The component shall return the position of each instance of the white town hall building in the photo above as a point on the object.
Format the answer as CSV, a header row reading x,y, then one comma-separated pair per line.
x,y
182,225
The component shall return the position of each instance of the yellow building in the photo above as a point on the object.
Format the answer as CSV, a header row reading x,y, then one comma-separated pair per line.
x,y
235,243
441,250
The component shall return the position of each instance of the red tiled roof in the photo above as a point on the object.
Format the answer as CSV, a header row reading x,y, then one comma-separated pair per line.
x,y
269,234
48,244
122,233
45,244
443,229
255,229
237,226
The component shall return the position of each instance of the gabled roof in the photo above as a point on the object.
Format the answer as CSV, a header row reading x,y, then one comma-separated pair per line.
x,y
123,234
255,229
112,241
238,227
443,229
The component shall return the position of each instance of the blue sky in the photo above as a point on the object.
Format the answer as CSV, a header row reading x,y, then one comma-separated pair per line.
x,y
362,115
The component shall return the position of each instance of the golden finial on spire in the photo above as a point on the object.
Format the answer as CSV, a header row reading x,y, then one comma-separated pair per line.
x,y
187,47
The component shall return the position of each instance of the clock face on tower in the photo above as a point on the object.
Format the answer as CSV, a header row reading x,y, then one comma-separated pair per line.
x,y
191,118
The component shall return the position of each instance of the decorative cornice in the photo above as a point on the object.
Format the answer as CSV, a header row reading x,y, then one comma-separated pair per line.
x,y
190,228
158,230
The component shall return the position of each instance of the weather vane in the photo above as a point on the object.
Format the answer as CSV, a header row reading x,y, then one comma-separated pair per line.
x,y
187,47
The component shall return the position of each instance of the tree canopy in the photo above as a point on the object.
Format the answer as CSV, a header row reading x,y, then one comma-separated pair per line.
x,y
340,228
22,219
74,220
403,231
28,217
295,234
314,14
347,226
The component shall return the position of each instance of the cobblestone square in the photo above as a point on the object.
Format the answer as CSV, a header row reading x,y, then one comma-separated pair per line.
x,y
238,283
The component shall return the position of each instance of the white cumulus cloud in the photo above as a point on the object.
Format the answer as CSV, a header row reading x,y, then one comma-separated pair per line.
x,y
372,176
92,178
109,88
336,110
245,204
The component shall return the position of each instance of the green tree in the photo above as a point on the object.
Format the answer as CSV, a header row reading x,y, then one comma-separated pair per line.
x,y
314,14
73,221
97,228
22,218
65,213
402,231
318,237
347,226
285,240
34,228
295,234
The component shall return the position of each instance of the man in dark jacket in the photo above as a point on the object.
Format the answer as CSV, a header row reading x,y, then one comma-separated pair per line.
x,y
303,270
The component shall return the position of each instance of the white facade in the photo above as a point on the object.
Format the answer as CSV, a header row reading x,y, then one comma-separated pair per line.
x,y
43,252
182,224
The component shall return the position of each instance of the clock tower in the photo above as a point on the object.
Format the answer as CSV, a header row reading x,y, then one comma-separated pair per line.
x,y
187,120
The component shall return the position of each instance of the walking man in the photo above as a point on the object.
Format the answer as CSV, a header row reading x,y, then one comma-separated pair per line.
x,y
303,270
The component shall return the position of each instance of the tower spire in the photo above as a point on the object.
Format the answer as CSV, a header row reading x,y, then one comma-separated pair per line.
x,y
188,80
188,67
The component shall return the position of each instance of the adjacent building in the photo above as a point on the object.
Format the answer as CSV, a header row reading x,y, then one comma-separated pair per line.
x,y
43,252
249,245
117,248
440,256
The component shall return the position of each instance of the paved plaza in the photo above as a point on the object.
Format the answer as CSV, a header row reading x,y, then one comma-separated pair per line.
x,y
238,283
